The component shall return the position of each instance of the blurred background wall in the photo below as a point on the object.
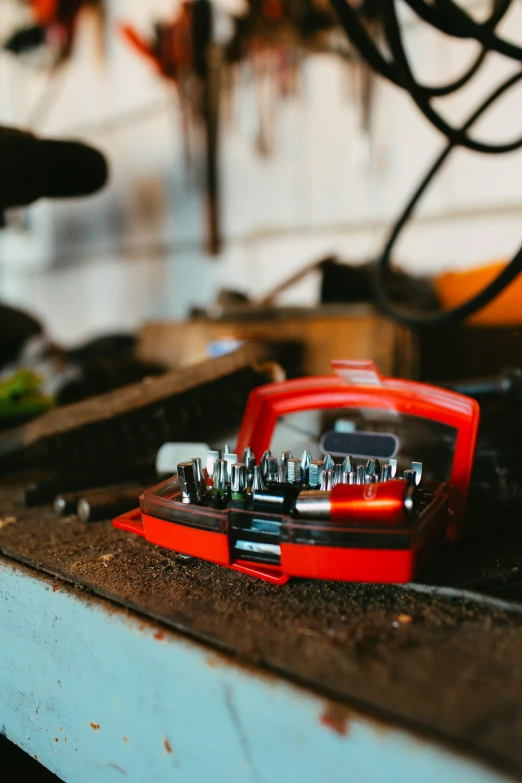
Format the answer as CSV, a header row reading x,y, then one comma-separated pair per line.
x,y
327,182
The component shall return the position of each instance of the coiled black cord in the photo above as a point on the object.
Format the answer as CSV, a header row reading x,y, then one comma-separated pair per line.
x,y
447,17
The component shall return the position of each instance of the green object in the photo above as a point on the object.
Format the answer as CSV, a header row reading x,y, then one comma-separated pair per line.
x,y
20,396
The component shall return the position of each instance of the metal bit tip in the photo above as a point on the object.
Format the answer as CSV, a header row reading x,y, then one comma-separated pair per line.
x,y
293,471
247,454
258,485
348,466
393,468
327,481
220,476
239,483
272,467
338,474
285,456
417,467
329,463
187,482
360,473
315,472
409,475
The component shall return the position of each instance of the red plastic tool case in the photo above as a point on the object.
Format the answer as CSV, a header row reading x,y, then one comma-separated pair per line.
x,y
348,550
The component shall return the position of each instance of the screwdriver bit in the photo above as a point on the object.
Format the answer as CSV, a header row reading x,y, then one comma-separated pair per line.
x,y
226,449
371,478
329,463
263,463
239,484
306,459
393,468
272,466
219,484
219,479
348,477
230,459
285,456
212,456
258,485
315,473
417,467
293,471
187,482
373,467
327,482
247,454
338,474
281,474
385,473
409,475
360,473
348,465
198,475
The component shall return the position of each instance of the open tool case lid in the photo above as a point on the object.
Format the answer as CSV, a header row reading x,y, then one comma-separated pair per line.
x,y
444,419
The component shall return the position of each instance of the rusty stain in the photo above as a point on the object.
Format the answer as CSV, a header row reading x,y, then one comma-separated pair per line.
x,y
159,635
115,766
168,746
55,588
35,757
125,739
336,718
56,739
95,726
65,738
61,728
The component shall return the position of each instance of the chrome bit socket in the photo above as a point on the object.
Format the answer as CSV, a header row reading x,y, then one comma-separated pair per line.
x,y
338,474
239,483
327,481
220,477
360,473
263,464
315,473
198,475
348,477
385,473
293,471
187,482
272,467
247,454
257,485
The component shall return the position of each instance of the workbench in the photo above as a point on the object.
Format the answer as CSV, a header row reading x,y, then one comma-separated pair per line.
x,y
123,660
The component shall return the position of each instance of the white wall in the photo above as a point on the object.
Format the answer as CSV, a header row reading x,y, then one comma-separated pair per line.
x,y
136,251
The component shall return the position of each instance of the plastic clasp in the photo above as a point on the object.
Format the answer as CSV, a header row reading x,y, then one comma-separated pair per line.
x,y
357,373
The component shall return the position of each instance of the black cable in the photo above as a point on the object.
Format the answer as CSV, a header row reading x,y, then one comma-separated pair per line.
x,y
386,68
479,31
458,137
508,274
448,18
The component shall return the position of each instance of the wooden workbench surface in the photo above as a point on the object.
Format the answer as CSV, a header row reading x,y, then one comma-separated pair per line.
x,y
443,661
